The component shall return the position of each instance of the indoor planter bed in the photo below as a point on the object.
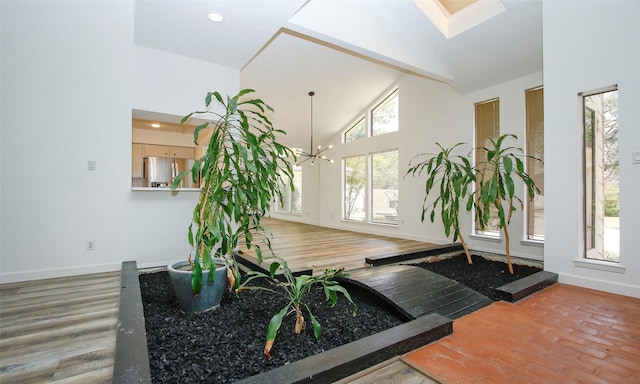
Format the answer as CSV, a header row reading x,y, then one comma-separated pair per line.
x,y
132,364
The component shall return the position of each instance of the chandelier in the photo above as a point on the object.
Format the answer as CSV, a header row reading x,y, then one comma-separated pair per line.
x,y
311,155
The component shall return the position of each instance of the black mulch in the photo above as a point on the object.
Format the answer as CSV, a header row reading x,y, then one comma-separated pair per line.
x,y
482,276
226,344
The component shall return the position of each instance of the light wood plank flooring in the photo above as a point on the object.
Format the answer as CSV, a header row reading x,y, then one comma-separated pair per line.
x,y
321,248
59,330
64,330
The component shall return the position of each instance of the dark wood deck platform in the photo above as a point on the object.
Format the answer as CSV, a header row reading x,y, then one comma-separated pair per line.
x,y
417,292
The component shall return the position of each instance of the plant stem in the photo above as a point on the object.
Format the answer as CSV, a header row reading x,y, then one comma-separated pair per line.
x,y
506,236
299,321
466,250
200,246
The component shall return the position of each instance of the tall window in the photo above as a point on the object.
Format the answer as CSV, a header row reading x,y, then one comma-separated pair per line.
x,y
487,120
371,188
384,187
601,175
384,117
355,181
358,131
291,200
534,100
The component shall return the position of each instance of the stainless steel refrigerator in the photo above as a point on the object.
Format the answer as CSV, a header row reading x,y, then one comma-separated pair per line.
x,y
160,172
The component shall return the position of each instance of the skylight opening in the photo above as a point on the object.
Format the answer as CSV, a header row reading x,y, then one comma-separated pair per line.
x,y
453,17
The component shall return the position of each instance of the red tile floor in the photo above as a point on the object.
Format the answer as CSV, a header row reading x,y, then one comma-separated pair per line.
x,y
563,334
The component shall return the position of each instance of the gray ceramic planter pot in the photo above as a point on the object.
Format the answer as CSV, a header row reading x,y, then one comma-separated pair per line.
x,y
211,294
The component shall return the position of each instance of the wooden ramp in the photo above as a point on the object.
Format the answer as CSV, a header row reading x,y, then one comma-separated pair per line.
x,y
417,292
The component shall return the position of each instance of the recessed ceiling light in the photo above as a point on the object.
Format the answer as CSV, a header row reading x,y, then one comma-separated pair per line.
x,y
215,17
155,125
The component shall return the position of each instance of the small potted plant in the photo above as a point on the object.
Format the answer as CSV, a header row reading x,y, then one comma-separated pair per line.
x,y
239,173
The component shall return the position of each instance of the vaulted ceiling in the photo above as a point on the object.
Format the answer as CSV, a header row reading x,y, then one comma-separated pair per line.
x,y
347,51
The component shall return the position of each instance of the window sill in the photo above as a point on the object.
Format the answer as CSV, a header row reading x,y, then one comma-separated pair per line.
x,y
495,239
165,189
607,266
533,243
358,222
289,213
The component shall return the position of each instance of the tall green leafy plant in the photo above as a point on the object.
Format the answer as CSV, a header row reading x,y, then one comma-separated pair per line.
x,y
495,187
294,289
448,177
239,174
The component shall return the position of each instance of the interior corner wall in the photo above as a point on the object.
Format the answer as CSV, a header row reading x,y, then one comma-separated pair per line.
x,y
587,46
69,83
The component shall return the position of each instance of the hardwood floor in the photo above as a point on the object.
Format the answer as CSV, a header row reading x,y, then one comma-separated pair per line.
x,y
64,330
320,248
59,330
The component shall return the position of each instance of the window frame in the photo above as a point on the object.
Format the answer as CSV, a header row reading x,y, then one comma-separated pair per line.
x,y
365,189
297,170
362,120
368,117
368,198
529,222
394,94
476,231
372,198
587,253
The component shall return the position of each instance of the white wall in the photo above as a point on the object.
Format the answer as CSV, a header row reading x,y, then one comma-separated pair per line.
x,y
69,83
176,85
589,45
430,112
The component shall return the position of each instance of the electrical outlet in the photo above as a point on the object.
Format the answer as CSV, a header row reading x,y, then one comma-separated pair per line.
x,y
91,245
91,165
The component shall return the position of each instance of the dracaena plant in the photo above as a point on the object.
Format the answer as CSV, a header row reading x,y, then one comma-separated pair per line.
x,y
294,289
448,178
239,173
495,192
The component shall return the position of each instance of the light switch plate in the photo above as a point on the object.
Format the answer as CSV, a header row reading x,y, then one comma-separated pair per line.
x,y
636,158
91,165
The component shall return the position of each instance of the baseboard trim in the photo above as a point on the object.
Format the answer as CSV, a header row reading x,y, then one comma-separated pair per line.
x,y
600,285
41,274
